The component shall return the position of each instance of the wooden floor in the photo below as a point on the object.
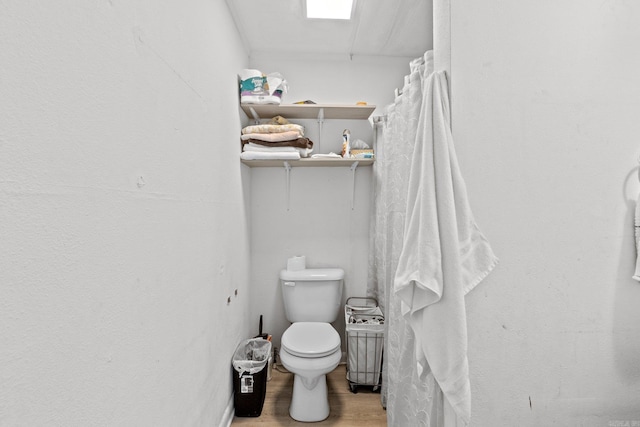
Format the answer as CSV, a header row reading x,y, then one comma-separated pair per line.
x,y
347,409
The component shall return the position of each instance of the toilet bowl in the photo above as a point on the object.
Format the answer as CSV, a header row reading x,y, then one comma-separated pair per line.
x,y
310,347
310,350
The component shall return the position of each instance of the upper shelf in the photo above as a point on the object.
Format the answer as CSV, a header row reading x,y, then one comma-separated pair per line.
x,y
308,111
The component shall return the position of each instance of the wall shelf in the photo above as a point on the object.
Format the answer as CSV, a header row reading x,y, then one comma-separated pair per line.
x,y
290,164
308,111
308,163
320,112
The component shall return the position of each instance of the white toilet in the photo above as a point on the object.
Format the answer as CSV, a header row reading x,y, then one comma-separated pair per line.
x,y
310,347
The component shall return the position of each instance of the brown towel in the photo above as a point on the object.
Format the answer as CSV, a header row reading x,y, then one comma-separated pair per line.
x,y
299,143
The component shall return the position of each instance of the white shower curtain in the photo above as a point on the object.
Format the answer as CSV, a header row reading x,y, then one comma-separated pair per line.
x,y
411,399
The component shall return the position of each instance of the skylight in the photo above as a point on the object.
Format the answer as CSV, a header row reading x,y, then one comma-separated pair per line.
x,y
329,9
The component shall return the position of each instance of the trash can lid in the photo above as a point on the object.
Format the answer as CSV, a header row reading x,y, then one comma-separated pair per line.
x,y
310,339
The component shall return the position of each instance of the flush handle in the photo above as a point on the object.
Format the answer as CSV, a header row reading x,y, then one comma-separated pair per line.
x,y
289,283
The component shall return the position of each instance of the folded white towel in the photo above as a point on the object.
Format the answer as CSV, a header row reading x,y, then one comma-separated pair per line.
x,y
326,156
636,274
304,152
262,148
272,137
256,155
269,128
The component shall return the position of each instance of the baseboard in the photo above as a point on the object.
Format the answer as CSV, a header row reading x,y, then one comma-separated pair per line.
x,y
227,416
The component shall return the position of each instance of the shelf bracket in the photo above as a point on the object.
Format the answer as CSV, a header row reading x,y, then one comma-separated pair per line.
x,y
320,122
287,169
353,168
255,115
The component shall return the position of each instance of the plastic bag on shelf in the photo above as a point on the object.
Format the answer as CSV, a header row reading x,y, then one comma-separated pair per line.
x,y
259,88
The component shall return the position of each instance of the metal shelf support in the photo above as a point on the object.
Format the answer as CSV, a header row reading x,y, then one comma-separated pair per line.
x,y
353,168
287,168
320,123
256,117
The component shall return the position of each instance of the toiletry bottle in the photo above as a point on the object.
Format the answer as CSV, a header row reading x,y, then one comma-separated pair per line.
x,y
346,135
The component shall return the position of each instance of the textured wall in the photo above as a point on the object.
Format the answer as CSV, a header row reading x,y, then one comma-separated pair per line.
x,y
545,108
122,216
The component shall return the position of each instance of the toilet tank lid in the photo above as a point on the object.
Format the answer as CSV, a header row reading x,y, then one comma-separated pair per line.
x,y
313,274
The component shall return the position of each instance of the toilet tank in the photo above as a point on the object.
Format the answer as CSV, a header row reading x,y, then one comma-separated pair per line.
x,y
312,295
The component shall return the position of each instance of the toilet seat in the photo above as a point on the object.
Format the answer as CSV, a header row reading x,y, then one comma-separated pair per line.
x,y
310,339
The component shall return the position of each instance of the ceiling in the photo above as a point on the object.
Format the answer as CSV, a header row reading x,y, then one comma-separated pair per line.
x,y
379,27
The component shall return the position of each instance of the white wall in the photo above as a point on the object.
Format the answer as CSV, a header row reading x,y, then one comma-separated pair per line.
x,y
545,116
320,223
122,217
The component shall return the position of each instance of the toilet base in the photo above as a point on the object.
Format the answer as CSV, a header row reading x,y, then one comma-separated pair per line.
x,y
309,405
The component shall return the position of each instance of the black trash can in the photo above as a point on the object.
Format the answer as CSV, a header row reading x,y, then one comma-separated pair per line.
x,y
249,371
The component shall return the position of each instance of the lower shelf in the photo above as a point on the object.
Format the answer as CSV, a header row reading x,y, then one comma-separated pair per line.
x,y
308,163
352,164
